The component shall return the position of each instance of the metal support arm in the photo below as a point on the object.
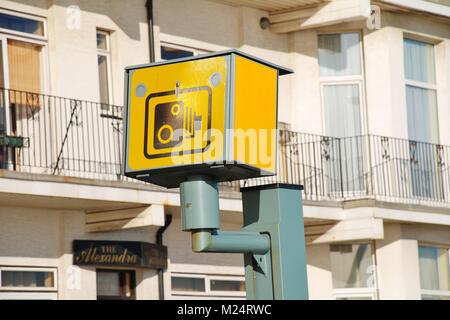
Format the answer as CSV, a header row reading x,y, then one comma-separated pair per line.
x,y
272,239
230,241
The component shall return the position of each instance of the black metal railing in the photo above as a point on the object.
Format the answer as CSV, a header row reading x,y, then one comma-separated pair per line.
x,y
368,166
65,136
72,137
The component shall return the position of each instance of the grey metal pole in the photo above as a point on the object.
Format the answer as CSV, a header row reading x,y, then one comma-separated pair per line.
x,y
276,209
272,239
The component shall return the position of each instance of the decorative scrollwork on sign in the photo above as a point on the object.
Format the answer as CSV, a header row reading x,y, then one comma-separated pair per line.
x,y
293,150
118,126
385,148
32,105
284,137
76,105
440,155
325,148
413,152
404,172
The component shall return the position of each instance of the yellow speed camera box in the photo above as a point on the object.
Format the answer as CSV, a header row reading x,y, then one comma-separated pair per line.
x,y
213,115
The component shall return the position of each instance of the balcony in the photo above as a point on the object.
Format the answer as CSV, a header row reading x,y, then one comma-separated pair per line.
x,y
70,137
364,167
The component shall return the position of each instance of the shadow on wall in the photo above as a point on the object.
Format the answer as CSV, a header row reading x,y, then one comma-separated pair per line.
x,y
213,23
419,24
127,17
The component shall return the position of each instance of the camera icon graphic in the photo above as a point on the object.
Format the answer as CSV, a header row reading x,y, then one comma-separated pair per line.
x,y
174,118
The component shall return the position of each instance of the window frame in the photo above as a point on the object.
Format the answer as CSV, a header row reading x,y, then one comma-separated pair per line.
x,y
342,80
358,80
44,72
195,51
358,292
53,270
6,35
189,276
208,292
107,54
428,292
415,83
338,82
26,16
437,177
420,84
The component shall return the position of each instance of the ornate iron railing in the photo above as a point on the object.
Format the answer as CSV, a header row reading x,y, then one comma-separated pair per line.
x,y
72,137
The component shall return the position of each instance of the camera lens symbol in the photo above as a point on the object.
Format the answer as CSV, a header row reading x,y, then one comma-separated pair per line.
x,y
165,134
175,109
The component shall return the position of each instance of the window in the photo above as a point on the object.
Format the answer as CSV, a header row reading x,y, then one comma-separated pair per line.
x,y
341,80
104,68
434,272
227,285
22,24
423,129
420,76
339,55
190,286
22,57
353,271
3,149
168,53
116,284
13,278
171,51
27,283
24,69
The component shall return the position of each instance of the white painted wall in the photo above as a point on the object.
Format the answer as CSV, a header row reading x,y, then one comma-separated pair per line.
x,y
398,265
44,235
210,26
320,281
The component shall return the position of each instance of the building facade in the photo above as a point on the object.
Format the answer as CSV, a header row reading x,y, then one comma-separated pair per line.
x,y
364,126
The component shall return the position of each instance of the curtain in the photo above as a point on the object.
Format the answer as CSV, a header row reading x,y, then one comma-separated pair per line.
x,y
2,99
444,269
422,117
419,61
434,268
342,110
343,121
422,127
339,54
422,114
103,78
24,72
2,82
429,278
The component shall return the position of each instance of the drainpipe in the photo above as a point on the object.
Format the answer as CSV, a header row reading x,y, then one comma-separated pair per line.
x,y
151,36
159,241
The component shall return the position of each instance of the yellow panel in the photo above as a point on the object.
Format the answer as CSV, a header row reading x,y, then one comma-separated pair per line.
x,y
255,114
171,109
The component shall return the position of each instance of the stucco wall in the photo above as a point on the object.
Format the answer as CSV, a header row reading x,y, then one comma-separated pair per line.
x,y
208,26
43,238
